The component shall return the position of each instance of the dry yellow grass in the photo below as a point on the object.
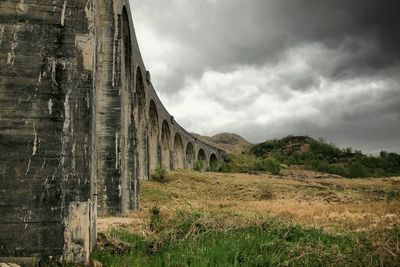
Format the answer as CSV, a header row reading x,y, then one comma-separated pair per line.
x,y
309,198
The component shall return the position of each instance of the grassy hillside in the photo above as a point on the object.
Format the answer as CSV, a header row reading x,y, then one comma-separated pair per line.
x,y
314,155
300,218
280,203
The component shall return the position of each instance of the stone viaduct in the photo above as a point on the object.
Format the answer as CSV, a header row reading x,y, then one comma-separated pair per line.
x,y
80,125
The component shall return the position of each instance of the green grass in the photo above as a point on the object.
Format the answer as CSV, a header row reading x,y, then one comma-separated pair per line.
x,y
194,240
155,195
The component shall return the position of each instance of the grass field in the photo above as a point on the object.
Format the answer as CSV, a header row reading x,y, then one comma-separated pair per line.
x,y
300,218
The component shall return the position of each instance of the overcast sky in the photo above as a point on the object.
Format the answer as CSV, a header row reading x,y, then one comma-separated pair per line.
x,y
269,68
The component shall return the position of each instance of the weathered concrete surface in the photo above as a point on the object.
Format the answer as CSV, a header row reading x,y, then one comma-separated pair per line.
x,y
46,81
80,124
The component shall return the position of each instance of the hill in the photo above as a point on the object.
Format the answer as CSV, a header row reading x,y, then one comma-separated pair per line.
x,y
302,145
327,157
230,142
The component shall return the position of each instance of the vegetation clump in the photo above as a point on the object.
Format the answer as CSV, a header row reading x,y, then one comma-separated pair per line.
x,y
200,166
160,174
265,192
156,222
315,155
393,196
269,165
246,163
199,238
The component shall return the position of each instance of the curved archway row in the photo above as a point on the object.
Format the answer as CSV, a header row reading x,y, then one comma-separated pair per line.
x,y
172,148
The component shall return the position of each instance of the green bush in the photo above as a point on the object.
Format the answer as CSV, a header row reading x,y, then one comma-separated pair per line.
x,y
214,166
393,196
269,165
155,219
245,163
160,174
200,166
323,166
357,170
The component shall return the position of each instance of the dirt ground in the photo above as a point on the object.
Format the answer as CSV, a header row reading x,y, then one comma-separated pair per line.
x,y
305,197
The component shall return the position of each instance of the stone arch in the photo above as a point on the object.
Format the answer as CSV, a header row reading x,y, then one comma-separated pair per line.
x,y
201,155
153,137
201,160
190,155
178,152
214,164
128,186
141,133
165,145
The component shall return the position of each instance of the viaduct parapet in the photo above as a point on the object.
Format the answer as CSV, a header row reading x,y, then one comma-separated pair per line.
x,y
80,125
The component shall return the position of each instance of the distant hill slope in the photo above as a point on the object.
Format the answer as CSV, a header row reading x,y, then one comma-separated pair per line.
x,y
325,157
301,145
230,142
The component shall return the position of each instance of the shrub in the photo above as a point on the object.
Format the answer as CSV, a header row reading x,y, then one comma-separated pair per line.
x,y
265,192
357,170
239,163
200,166
393,196
214,166
268,164
155,219
160,174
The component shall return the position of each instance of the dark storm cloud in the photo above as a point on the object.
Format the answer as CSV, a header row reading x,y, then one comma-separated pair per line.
x,y
225,33
268,68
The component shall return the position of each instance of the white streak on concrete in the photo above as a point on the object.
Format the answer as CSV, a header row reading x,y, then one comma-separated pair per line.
x,y
14,44
41,168
39,81
67,112
63,13
90,14
55,172
22,8
86,146
35,140
73,164
50,106
53,72
116,150
29,166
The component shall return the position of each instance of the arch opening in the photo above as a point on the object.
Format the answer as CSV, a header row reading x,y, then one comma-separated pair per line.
x,y
154,161
141,136
165,145
128,191
214,165
178,152
201,156
190,155
201,164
